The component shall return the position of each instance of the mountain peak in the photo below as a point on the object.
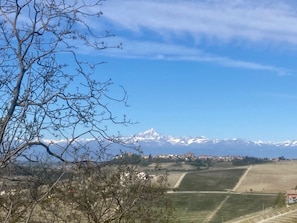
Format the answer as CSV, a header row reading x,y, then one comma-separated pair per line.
x,y
149,132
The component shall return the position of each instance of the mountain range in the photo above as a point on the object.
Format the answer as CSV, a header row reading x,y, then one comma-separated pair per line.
x,y
154,143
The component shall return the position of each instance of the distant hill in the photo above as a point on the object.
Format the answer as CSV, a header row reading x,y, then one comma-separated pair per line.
x,y
151,142
154,143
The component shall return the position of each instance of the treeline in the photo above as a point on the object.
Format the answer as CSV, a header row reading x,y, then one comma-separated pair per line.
x,y
249,161
136,159
127,158
140,160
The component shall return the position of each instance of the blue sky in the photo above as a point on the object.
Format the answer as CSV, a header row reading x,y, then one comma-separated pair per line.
x,y
219,69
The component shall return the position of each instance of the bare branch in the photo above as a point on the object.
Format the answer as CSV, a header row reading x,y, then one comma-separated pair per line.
x,y
55,116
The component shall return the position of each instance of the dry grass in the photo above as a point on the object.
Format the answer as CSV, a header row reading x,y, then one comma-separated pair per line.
x,y
172,166
270,178
173,177
175,171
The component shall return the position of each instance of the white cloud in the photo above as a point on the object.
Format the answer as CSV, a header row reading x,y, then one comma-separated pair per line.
x,y
175,52
172,29
224,20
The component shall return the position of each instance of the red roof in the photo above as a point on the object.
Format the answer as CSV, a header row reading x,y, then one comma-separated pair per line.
x,y
291,192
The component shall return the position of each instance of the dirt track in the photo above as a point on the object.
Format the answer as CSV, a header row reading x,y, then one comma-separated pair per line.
x,y
180,180
242,178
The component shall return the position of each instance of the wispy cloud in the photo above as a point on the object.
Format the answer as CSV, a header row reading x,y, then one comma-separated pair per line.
x,y
176,52
227,20
174,30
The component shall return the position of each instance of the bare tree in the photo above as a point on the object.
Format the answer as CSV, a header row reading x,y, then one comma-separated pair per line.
x,y
41,95
51,99
117,194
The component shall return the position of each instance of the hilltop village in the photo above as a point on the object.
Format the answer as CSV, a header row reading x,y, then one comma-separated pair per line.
x,y
190,158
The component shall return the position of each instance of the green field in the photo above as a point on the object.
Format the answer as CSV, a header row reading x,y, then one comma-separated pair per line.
x,y
240,205
197,207
215,180
194,207
207,196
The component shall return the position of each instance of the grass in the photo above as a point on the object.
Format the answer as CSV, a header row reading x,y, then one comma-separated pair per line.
x,y
271,177
196,202
173,177
215,180
194,207
240,205
197,207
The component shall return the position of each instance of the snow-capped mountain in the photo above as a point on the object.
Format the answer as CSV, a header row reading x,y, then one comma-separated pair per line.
x,y
149,135
153,137
154,143
151,142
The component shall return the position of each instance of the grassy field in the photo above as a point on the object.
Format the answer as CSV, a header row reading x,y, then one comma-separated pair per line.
x,y
245,204
197,207
271,178
173,177
218,207
194,207
172,166
214,180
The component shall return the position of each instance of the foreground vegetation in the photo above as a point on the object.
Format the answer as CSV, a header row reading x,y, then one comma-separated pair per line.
x,y
80,195
56,107
87,194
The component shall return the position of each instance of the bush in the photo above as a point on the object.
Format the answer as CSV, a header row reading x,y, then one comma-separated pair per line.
x,y
280,200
